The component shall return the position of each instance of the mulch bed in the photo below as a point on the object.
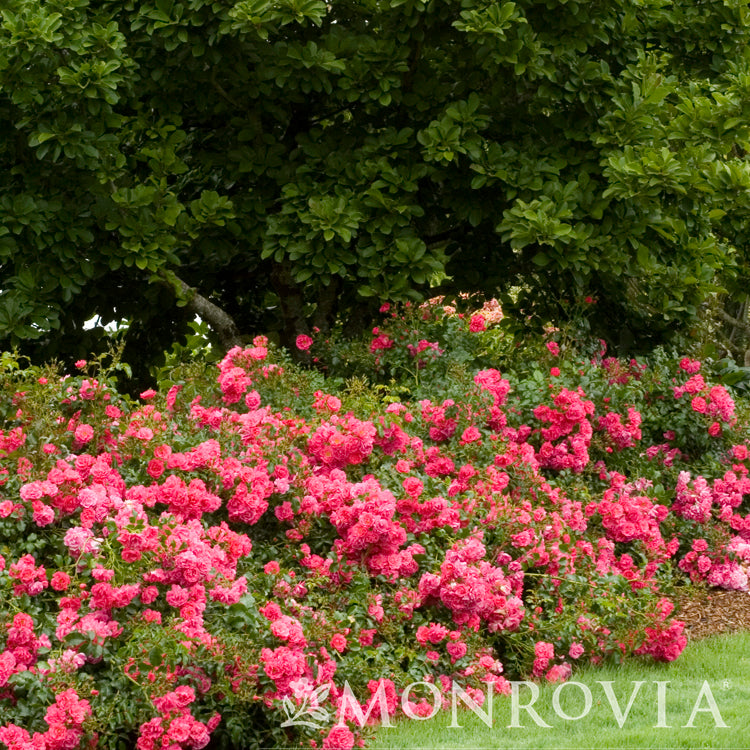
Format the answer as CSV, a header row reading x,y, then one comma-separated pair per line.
x,y
713,611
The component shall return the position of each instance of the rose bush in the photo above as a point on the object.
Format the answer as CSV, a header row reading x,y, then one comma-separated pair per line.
x,y
230,551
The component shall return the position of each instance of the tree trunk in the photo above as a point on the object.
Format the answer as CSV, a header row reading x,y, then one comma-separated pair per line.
x,y
325,311
292,307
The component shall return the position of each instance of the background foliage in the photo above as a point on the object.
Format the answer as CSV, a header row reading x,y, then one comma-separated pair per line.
x,y
294,161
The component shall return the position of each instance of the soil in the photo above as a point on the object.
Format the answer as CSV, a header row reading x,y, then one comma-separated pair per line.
x,y
709,612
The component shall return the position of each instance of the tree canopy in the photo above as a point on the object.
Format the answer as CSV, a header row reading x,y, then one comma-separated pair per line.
x,y
278,163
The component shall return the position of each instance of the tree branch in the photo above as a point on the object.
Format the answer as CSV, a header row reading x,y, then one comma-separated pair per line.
x,y
220,321
736,322
221,91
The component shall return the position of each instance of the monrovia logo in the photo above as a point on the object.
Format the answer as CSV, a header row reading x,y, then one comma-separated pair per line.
x,y
308,712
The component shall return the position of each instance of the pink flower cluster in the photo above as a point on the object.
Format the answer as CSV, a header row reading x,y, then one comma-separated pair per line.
x,y
726,568
544,653
21,647
65,719
434,522
342,441
664,642
29,579
713,401
622,435
492,382
371,535
237,368
380,341
568,424
627,516
175,727
11,441
442,423
694,502
474,590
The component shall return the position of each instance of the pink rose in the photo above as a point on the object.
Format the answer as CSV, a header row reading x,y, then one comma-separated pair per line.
x,y
477,324
339,738
84,433
304,342
338,643
456,650
576,650
60,581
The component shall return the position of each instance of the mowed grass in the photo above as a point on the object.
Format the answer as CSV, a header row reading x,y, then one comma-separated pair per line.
x,y
721,662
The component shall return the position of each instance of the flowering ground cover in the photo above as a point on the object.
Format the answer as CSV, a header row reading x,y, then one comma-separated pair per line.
x,y
243,558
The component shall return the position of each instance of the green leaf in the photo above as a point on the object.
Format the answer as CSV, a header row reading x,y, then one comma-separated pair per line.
x,y
156,656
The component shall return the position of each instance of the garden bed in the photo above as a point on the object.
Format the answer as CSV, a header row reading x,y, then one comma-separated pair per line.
x,y
258,556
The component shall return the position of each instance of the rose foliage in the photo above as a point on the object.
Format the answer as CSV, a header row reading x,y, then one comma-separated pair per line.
x,y
199,566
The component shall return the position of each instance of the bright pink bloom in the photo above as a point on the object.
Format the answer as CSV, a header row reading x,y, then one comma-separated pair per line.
x,y
60,580
84,433
576,650
559,673
338,643
477,323
339,738
304,342
690,366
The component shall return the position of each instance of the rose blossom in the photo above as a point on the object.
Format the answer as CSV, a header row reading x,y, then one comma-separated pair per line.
x,y
304,342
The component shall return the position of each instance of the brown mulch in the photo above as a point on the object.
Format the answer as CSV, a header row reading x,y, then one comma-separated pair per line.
x,y
713,611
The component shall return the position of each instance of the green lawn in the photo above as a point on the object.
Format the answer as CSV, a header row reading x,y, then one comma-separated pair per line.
x,y
723,663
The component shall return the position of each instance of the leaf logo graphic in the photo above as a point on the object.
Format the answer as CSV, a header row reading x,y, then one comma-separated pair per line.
x,y
309,713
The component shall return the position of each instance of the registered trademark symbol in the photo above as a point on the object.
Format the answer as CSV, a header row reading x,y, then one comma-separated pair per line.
x,y
725,684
